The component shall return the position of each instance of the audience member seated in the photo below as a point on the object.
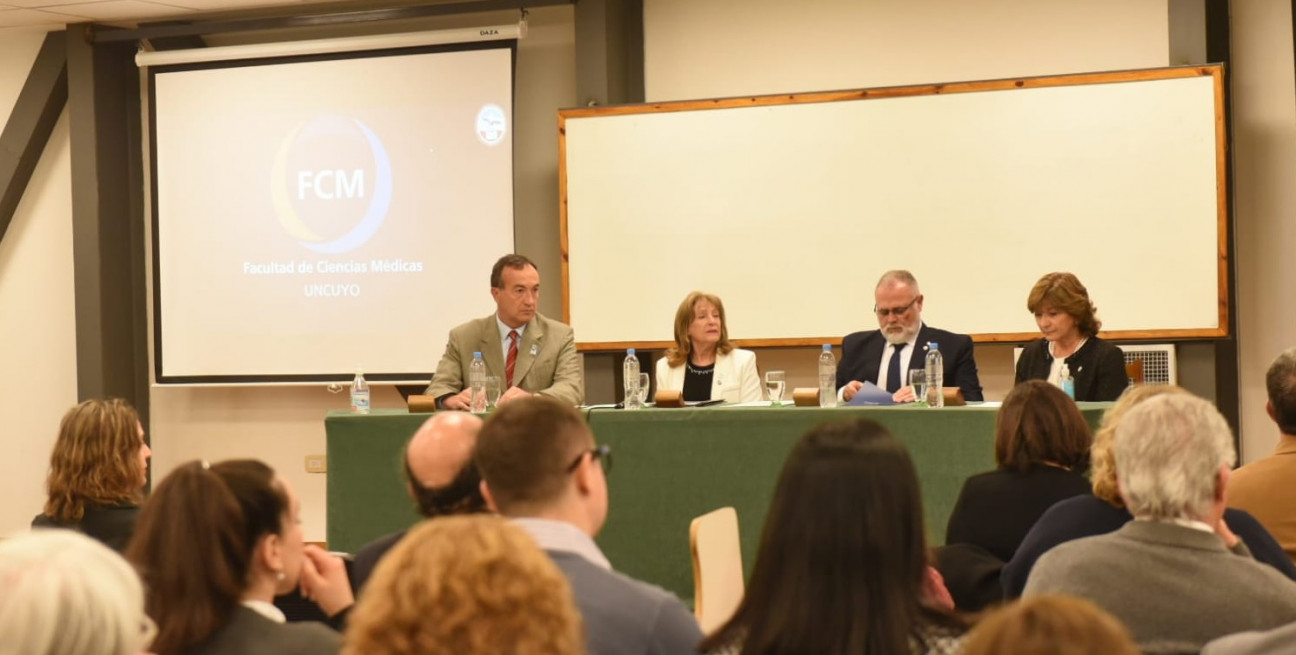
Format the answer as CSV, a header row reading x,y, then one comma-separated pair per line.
x,y
215,543
842,564
64,594
1278,641
1168,574
541,468
1041,449
1104,511
1069,325
97,472
440,478
704,364
1050,625
1261,487
466,585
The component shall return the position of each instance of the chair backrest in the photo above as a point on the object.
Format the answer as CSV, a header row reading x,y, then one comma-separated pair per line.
x,y
1134,371
717,567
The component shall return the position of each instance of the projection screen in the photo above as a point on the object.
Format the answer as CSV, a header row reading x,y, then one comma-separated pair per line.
x,y
316,215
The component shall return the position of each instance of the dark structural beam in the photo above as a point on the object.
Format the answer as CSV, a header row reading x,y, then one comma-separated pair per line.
x,y
343,13
29,127
108,220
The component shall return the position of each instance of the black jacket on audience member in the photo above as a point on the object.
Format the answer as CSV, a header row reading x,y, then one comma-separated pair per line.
x,y
997,508
111,525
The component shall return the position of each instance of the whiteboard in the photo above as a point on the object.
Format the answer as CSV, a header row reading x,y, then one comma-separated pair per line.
x,y
790,207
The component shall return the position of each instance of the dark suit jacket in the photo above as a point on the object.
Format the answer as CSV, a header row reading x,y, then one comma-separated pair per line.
x,y
862,355
111,525
366,559
249,633
1098,368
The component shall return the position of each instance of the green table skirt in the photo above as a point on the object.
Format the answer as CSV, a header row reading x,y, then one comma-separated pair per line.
x,y
670,465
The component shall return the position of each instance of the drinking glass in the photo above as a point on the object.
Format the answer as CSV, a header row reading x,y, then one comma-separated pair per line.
x,y
774,383
643,388
493,391
918,380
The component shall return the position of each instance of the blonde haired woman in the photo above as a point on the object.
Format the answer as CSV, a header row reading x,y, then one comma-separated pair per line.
x,y
466,585
703,363
67,593
1104,511
97,472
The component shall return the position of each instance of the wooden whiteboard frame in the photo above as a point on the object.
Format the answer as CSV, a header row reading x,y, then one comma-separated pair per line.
x,y
1223,252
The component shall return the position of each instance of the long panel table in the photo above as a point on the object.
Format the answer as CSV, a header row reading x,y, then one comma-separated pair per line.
x,y
670,465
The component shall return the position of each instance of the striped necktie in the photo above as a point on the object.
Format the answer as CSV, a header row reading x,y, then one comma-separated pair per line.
x,y
511,363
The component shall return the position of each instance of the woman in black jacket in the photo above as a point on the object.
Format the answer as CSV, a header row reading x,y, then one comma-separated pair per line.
x,y
1066,317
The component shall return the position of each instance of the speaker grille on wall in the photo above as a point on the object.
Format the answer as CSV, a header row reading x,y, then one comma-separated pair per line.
x,y
1158,362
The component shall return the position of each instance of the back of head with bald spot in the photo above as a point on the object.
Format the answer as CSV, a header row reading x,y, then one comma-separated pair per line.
x,y
438,465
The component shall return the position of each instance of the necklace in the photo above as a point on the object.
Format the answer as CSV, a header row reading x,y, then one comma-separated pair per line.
x,y
1073,350
705,370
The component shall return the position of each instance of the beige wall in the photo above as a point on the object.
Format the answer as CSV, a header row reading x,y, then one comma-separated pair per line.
x,y
37,317
1264,151
717,48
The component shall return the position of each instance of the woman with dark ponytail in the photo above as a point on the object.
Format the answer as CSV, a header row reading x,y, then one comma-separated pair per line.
x,y
214,545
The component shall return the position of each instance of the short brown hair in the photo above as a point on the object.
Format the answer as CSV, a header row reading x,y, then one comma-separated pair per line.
x,y
95,460
1101,455
515,262
684,317
1050,625
489,587
523,451
1039,423
1280,382
1064,292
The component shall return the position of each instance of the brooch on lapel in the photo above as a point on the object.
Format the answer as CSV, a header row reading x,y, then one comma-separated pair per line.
x,y
535,348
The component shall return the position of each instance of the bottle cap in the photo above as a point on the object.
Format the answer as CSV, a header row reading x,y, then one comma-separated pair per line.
x,y
827,347
476,354
629,351
932,345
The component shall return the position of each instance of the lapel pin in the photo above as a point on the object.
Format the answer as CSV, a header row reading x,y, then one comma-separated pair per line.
x,y
534,349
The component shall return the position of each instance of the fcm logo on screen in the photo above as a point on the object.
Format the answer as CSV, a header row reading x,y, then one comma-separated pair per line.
x,y
331,184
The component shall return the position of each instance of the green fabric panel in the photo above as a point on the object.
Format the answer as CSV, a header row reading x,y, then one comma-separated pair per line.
x,y
670,465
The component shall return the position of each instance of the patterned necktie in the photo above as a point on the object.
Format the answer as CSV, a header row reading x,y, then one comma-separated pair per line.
x,y
511,363
893,369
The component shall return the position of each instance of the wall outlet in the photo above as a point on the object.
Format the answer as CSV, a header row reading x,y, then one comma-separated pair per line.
x,y
317,463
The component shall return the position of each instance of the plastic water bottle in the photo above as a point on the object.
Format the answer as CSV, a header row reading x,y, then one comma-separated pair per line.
x,y
1068,382
477,384
935,376
359,394
631,370
827,378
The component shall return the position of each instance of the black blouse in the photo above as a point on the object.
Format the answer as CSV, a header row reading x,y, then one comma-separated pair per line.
x,y
697,382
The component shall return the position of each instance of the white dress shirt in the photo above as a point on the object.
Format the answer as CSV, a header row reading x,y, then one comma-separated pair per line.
x,y
560,535
504,338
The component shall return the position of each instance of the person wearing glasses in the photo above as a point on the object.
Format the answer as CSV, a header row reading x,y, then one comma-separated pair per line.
x,y
1066,317
884,356
528,352
541,468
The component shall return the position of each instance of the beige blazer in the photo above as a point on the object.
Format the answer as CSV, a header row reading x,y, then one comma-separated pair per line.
x,y
547,362
735,379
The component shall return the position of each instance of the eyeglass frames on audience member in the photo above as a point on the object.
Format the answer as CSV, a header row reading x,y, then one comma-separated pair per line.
x,y
602,453
883,313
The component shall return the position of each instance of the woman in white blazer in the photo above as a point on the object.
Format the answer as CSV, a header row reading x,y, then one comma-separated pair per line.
x,y
703,363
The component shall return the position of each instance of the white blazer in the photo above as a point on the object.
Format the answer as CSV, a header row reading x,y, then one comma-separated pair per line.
x,y
735,379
